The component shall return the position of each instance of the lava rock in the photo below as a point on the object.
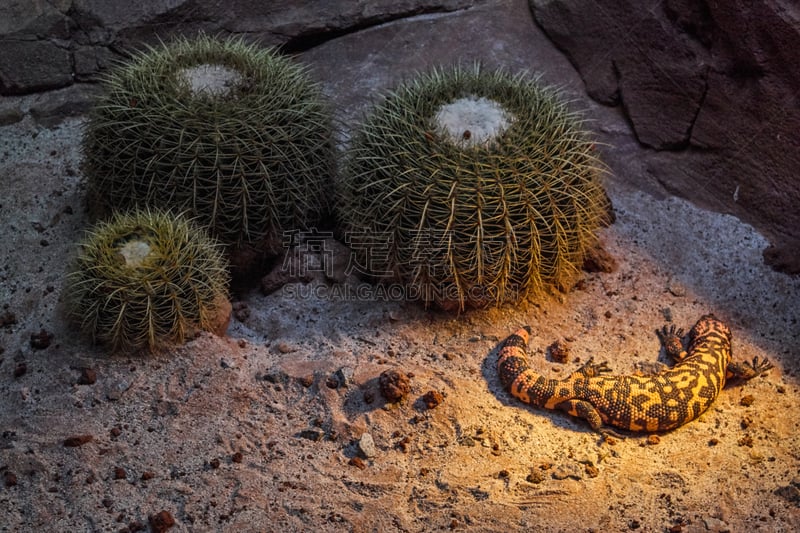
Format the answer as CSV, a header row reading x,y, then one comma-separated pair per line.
x,y
161,521
394,385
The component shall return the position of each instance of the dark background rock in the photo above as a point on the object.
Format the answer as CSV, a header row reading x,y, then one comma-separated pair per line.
x,y
714,88
47,45
710,90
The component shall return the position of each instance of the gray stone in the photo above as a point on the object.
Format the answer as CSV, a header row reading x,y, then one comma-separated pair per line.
x,y
10,114
90,60
28,66
32,17
366,445
345,376
57,105
711,80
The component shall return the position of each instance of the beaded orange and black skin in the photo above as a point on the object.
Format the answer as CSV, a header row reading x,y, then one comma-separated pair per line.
x,y
658,402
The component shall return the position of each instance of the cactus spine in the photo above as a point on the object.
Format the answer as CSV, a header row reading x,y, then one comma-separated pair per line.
x,y
482,188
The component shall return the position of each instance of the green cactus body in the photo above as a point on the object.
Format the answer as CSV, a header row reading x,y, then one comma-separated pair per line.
x,y
235,135
465,218
147,279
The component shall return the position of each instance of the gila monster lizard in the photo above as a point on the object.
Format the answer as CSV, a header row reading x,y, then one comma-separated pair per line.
x,y
652,403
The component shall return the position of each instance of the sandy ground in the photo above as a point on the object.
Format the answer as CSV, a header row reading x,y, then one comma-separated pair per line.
x,y
166,430
281,425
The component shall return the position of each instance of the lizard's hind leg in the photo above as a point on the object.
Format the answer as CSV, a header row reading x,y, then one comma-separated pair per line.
x,y
585,410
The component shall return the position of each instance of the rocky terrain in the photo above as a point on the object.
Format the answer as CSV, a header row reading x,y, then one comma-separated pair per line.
x,y
284,424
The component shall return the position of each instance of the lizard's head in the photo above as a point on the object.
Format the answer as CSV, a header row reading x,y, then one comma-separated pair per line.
x,y
710,324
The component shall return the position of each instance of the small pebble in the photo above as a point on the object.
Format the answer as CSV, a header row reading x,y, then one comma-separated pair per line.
x,y
7,319
676,288
566,471
41,340
161,522
344,376
314,435
716,525
559,351
77,440
119,473
358,462
394,385
135,526
147,475
536,476
366,445
285,347
237,457
20,370
9,478
747,400
88,376
432,399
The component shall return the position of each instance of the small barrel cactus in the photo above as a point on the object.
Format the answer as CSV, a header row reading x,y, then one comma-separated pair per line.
x,y
147,279
471,188
236,135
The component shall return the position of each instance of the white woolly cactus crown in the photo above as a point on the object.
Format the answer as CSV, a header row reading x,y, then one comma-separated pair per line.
x,y
135,252
212,79
472,121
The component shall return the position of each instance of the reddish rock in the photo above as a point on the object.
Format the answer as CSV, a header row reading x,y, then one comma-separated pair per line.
x,y
41,340
161,521
559,351
394,385
9,478
20,370
432,399
88,376
77,440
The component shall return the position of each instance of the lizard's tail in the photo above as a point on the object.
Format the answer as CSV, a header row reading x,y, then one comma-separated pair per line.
x,y
513,356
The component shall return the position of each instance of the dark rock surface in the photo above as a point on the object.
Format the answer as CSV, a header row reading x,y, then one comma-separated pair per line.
x,y
709,90
712,87
47,45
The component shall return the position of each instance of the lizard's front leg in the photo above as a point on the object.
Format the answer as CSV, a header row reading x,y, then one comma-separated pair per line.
x,y
671,340
591,369
747,370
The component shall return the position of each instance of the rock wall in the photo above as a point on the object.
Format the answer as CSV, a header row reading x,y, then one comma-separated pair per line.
x,y
711,88
49,44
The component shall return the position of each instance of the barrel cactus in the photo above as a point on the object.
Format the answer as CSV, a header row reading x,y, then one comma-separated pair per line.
x,y
148,279
234,134
472,188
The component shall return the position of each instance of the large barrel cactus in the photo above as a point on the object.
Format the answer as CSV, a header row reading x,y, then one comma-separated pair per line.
x,y
236,135
471,188
148,279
